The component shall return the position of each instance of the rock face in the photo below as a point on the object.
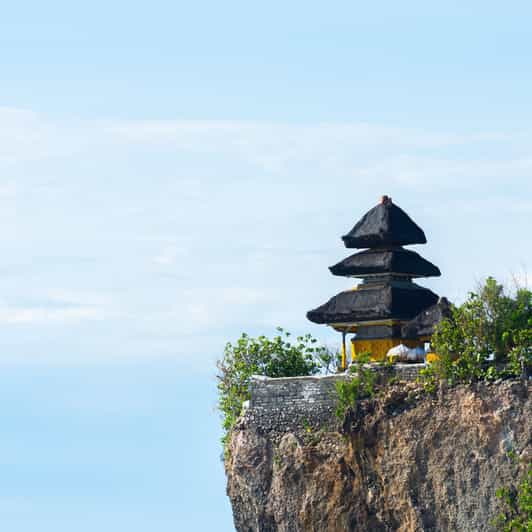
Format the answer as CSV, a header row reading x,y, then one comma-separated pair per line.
x,y
404,461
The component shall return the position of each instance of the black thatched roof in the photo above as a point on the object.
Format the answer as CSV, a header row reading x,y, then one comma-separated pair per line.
x,y
380,261
423,324
384,225
375,301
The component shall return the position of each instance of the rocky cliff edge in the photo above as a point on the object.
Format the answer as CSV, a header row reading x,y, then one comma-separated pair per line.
x,y
403,461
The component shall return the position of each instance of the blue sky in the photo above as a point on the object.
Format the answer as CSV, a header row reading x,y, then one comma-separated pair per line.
x,y
172,174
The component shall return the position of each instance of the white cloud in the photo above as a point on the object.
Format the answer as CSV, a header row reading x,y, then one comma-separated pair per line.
x,y
59,307
169,255
165,235
36,315
199,309
25,135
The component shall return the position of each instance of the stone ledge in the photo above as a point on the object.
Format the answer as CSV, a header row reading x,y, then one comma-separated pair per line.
x,y
279,404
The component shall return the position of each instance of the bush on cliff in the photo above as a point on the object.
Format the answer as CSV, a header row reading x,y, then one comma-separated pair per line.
x,y
361,384
488,336
271,357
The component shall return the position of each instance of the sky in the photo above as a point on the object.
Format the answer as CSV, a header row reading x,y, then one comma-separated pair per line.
x,y
175,173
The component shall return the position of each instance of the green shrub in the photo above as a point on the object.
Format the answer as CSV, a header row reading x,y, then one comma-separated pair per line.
x,y
488,336
271,357
520,356
360,385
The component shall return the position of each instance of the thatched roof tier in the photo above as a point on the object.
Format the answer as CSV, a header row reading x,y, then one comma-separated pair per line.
x,y
425,322
398,300
385,261
384,225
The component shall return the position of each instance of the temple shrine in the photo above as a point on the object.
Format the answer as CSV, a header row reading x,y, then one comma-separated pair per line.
x,y
387,309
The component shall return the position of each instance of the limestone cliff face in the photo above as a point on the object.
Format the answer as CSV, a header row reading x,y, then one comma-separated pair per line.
x,y
404,461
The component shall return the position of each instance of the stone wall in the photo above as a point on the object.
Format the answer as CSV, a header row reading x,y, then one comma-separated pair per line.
x,y
406,372
292,403
286,404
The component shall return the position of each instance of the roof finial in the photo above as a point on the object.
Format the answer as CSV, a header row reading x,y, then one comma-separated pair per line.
x,y
385,200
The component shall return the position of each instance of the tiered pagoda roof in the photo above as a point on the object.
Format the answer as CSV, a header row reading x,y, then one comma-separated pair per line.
x,y
384,260
423,324
397,300
387,269
384,225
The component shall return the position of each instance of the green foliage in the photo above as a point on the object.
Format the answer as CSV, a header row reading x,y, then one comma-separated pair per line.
x,y
271,357
520,355
328,360
429,376
517,513
489,336
361,384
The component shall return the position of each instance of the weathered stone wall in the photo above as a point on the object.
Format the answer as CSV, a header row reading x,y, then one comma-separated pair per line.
x,y
289,403
305,402
405,372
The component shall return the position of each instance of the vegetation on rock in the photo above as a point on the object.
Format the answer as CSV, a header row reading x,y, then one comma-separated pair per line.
x,y
517,513
488,337
270,357
360,385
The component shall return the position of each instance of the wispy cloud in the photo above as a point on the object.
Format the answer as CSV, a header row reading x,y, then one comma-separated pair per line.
x,y
38,315
58,307
166,236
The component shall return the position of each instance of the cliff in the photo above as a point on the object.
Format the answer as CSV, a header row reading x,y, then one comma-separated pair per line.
x,y
404,461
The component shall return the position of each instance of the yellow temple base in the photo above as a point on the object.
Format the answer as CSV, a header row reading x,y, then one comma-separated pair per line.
x,y
378,347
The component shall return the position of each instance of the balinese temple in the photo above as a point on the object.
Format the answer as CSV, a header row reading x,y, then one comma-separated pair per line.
x,y
380,311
